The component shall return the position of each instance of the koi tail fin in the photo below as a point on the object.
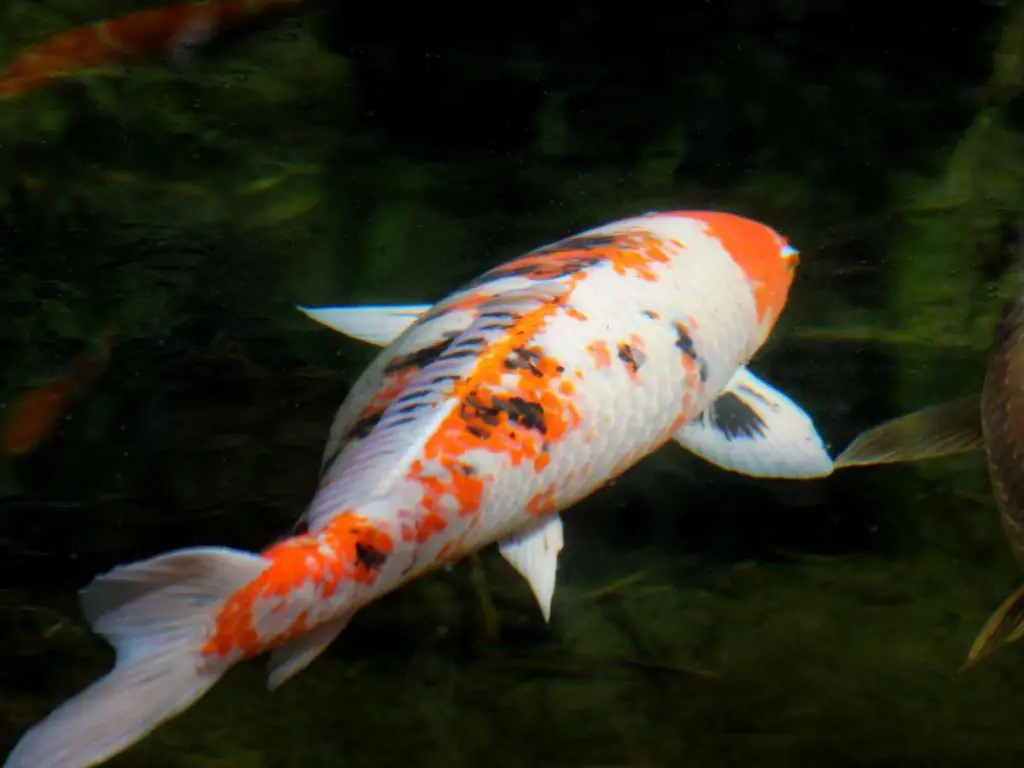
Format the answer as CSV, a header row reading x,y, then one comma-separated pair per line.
x,y
156,614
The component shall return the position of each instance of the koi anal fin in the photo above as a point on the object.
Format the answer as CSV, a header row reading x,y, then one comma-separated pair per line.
x,y
534,553
754,429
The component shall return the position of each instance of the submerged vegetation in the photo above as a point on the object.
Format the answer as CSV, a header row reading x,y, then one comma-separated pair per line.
x,y
328,156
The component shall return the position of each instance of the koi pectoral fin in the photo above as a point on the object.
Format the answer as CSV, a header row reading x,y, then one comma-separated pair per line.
x,y
534,553
1002,628
754,429
374,325
941,430
290,659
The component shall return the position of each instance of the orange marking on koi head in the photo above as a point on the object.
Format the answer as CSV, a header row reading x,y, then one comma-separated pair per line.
x,y
766,258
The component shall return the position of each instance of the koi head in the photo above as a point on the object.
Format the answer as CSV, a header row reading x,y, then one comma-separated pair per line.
x,y
766,259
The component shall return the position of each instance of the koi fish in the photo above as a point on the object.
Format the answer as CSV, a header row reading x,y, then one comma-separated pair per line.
x,y
170,30
992,421
485,416
36,414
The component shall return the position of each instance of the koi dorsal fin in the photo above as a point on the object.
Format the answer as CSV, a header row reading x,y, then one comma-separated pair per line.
x,y
375,325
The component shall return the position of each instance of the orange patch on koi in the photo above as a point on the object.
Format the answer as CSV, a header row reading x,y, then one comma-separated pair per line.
x,y
756,249
599,351
542,502
349,549
630,252
429,525
514,421
637,254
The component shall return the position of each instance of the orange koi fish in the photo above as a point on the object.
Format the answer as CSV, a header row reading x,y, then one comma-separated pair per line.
x,y
170,30
486,415
37,412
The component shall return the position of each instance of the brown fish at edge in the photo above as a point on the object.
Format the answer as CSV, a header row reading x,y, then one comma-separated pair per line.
x,y
992,421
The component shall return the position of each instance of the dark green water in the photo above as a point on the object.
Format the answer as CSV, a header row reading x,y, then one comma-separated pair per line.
x,y
334,156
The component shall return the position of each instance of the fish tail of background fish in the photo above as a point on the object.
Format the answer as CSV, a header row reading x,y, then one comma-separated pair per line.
x,y
940,430
993,421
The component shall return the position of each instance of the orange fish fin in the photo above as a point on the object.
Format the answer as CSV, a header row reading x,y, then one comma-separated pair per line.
x,y
941,430
288,660
1002,628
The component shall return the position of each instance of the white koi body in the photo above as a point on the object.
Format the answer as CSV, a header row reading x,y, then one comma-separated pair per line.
x,y
487,415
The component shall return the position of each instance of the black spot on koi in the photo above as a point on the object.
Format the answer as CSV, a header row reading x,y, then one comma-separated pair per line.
x,y
522,358
482,417
369,556
362,427
734,418
631,356
685,344
579,243
420,358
